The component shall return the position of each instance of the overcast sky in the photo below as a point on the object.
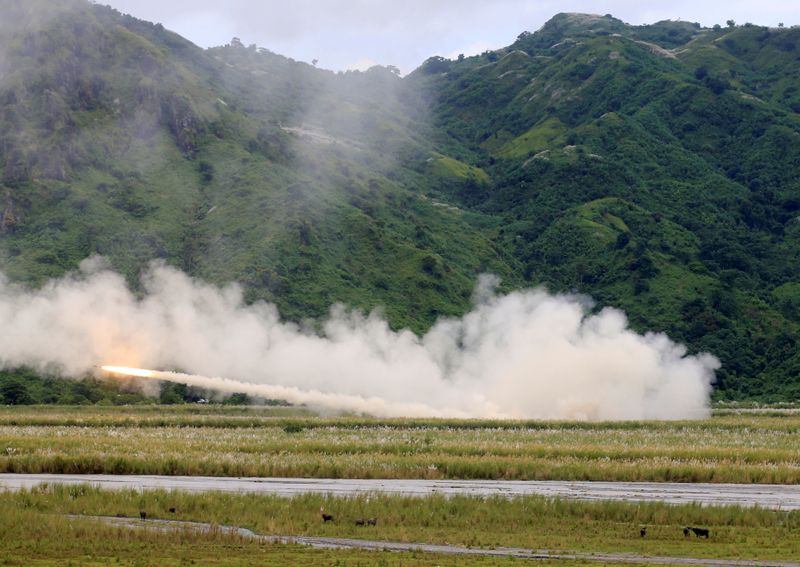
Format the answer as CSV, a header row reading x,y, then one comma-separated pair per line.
x,y
355,34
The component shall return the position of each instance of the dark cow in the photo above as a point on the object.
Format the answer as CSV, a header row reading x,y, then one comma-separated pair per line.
x,y
643,532
372,521
143,515
700,532
360,522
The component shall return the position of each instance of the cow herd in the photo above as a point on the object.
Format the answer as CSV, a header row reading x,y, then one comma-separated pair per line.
x,y
699,532
687,531
359,522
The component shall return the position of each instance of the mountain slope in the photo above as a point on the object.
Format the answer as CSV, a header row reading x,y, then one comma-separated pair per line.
x,y
121,139
652,167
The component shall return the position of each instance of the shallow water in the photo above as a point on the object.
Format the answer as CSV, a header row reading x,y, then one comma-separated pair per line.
x,y
774,496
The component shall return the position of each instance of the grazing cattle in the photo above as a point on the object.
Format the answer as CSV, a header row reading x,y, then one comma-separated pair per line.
x,y
643,532
325,517
372,521
172,510
700,532
143,515
360,522
686,532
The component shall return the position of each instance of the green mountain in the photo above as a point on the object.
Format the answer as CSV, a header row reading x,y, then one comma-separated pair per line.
x,y
653,167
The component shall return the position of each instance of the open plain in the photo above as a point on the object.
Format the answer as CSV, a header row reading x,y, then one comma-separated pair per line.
x,y
454,484
280,442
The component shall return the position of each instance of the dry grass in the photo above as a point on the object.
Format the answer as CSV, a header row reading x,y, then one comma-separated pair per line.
x,y
252,442
530,522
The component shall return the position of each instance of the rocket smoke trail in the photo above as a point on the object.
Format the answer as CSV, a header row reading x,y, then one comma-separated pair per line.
x,y
340,402
528,354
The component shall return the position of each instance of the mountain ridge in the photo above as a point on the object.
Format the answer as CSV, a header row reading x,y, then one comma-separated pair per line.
x,y
652,167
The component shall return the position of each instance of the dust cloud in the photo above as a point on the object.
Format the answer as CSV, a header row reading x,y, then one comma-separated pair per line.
x,y
528,354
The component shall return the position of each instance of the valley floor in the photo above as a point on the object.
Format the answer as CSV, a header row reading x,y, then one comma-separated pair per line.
x,y
464,476
88,526
225,441
339,543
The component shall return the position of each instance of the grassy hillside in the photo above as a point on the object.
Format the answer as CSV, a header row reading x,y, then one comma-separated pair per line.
x,y
236,164
654,167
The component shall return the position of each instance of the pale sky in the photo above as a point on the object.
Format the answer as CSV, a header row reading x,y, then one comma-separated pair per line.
x,y
355,34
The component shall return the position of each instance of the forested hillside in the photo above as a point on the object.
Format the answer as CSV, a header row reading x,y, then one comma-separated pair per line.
x,y
654,168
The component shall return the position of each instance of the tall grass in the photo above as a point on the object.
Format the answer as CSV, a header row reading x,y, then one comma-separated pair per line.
x,y
32,538
529,522
255,442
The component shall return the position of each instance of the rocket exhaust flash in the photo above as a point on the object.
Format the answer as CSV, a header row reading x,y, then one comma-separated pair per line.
x,y
128,371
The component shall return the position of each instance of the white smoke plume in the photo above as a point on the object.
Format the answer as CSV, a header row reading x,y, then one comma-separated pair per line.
x,y
523,355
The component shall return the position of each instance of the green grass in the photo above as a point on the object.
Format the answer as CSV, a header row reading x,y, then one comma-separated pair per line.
x,y
287,442
36,539
540,137
529,522
449,168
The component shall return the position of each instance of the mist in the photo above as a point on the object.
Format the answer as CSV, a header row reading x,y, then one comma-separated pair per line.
x,y
528,354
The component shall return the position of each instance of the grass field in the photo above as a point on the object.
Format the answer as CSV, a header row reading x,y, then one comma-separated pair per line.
x,y
226,441
29,517
220,440
34,539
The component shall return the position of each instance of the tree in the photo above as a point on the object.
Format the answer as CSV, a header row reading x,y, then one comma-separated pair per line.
x,y
435,64
172,393
237,399
15,392
731,23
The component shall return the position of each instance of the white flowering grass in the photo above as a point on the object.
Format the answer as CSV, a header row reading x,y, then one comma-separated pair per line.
x,y
729,448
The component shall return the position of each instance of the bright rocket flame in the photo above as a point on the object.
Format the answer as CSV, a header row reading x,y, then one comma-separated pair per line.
x,y
128,371
343,402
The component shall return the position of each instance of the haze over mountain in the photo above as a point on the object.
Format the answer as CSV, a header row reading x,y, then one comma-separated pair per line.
x,y
653,167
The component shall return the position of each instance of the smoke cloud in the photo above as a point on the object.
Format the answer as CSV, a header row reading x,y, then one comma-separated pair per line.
x,y
527,354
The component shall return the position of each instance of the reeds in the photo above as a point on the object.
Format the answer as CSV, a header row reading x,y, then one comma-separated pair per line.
x,y
248,442
530,522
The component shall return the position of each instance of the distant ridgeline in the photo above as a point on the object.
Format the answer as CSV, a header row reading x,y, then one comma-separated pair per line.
x,y
655,168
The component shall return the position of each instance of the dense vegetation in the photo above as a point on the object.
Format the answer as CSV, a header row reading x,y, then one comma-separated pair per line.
x,y
658,177
287,442
652,167
23,387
